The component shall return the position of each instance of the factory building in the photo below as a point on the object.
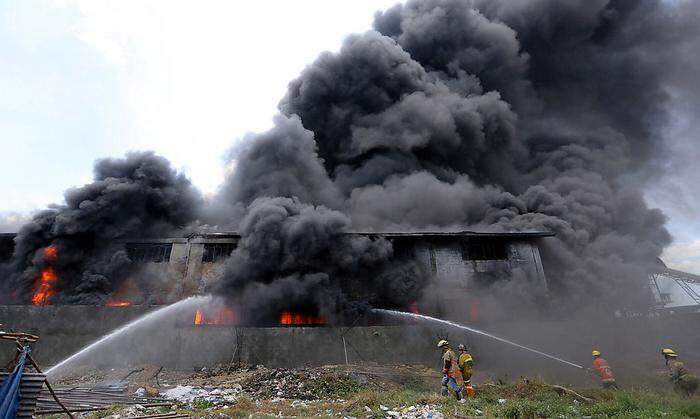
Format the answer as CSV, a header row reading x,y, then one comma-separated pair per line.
x,y
174,268
170,269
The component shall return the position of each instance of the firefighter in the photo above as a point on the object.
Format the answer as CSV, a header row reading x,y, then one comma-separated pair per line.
x,y
451,374
465,365
607,379
683,381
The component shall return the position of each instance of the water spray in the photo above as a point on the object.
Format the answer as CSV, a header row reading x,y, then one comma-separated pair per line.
x,y
477,331
141,321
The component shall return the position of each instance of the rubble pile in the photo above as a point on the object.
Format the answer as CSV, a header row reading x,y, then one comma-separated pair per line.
x,y
190,394
303,384
226,390
409,412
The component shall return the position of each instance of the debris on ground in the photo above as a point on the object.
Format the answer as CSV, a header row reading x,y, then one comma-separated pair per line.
x,y
189,394
348,391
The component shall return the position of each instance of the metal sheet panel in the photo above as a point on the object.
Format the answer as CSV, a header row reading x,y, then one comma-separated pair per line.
x,y
29,389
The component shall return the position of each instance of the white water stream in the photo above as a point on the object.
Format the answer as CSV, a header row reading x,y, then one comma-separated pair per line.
x,y
473,330
142,321
197,301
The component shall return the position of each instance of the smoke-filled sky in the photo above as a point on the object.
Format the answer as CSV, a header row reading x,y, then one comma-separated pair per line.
x,y
83,80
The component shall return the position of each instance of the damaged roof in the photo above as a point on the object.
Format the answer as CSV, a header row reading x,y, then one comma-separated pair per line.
x,y
427,234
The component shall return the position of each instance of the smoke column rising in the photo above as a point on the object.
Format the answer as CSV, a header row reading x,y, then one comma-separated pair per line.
x,y
137,196
488,115
451,114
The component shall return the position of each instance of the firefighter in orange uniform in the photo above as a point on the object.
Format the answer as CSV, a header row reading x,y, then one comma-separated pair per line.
x,y
607,379
451,374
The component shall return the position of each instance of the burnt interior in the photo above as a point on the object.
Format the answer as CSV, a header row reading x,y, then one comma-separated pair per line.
x,y
7,246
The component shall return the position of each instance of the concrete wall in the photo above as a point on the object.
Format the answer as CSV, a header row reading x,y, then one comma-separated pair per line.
x,y
175,342
63,329
631,345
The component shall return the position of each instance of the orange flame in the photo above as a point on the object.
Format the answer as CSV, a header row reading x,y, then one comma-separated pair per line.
x,y
45,283
117,303
222,316
50,253
289,318
45,290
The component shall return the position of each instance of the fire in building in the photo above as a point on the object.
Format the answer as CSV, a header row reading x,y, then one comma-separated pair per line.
x,y
175,268
180,267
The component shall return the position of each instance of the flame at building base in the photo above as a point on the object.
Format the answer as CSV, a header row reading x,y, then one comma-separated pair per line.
x,y
117,303
290,318
45,283
223,316
45,289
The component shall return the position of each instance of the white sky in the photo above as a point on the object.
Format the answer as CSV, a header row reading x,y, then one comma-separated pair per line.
x,y
85,79
89,79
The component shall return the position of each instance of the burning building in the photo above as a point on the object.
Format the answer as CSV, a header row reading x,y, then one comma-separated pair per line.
x,y
512,118
170,269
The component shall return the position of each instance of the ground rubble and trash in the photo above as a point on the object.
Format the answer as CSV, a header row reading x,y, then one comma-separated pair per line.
x,y
211,391
342,391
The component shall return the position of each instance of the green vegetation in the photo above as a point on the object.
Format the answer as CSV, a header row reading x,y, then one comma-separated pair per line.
x,y
535,400
202,404
334,386
339,392
111,411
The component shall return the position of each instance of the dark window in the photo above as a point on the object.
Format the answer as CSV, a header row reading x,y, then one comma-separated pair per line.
x,y
483,249
214,252
665,297
7,246
403,249
149,252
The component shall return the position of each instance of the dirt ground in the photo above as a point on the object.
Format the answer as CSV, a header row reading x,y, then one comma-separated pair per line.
x,y
367,391
242,390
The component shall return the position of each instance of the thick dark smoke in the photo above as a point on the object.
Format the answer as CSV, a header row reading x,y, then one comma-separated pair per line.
x,y
498,115
489,115
138,196
294,256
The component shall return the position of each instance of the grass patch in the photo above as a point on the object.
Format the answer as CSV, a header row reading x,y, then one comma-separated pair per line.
x,y
534,400
338,386
201,404
107,412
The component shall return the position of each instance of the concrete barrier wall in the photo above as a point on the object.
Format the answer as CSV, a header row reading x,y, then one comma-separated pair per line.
x,y
176,342
631,345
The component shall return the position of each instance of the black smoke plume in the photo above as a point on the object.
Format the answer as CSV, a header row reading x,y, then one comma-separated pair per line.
x,y
484,115
138,196
296,256
495,115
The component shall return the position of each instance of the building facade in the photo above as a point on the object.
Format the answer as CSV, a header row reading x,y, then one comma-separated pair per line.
x,y
174,268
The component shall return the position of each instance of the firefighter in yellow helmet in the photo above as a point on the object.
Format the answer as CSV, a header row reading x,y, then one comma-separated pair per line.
x,y
607,379
465,365
683,381
451,374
